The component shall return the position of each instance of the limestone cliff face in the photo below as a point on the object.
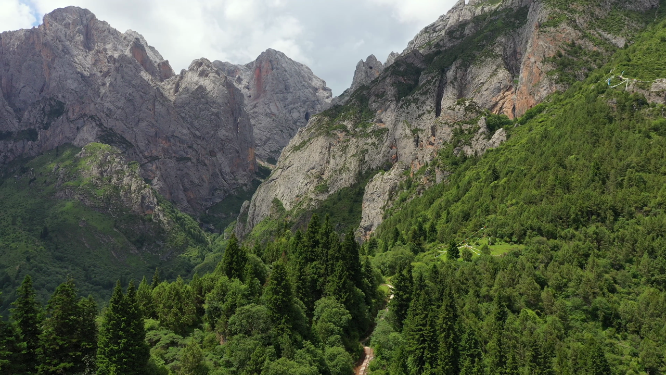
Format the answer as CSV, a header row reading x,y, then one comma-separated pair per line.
x,y
75,79
482,57
280,96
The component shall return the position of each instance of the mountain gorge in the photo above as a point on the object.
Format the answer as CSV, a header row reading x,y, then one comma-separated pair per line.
x,y
489,201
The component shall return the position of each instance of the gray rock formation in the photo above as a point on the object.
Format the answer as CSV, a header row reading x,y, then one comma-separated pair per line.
x,y
366,71
416,105
391,59
74,79
280,96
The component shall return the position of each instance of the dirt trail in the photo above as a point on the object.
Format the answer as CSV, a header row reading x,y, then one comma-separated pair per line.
x,y
368,356
368,352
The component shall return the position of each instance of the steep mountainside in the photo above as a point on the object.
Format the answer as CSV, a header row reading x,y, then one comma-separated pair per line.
x,y
88,213
280,96
452,90
74,79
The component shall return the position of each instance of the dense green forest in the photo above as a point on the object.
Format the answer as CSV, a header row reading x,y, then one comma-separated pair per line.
x,y
559,237
298,305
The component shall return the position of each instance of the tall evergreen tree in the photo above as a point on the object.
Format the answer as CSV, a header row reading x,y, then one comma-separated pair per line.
x,y
156,279
65,340
144,297
402,296
9,350
110,350
87,332
496,349
234,259
122,348
349,255
471,355
449,335
453,252
27,316
420,333
279,297
135,332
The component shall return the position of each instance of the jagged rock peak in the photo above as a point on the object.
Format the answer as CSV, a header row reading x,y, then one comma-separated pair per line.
x,y
366,71
391,59
280,95
75,79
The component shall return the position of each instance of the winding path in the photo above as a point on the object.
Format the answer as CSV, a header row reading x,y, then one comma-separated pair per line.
x,y
368,352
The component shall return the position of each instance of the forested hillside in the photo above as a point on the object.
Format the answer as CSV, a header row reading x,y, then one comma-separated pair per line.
x,y
561,232
298,305
87,213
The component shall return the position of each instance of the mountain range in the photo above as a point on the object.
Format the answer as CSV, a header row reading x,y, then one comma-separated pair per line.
x,y
499,184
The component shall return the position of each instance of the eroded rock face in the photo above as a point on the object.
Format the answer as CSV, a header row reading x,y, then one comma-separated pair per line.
x,y
280,96
451,73
75,79
366,71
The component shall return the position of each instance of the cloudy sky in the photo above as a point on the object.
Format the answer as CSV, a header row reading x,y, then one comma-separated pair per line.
x,y
328,36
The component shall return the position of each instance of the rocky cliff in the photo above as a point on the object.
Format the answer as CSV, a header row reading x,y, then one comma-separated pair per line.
x,y
75,79
484,61
280,96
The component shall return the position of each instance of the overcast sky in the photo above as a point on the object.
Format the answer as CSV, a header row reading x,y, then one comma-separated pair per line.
x,y
328,36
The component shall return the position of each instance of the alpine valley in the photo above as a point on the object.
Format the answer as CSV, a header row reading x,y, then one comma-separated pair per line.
x,y
491,200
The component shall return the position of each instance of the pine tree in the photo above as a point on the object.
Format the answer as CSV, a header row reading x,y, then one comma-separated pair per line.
x,y
539,362
156,279
66,339
449,335
279,297
9,350
28,318
88,333
420,332
110,350
453,251
402,296
135,332
234,259
174,305
144,297
470,353
349,255
122,348
497,356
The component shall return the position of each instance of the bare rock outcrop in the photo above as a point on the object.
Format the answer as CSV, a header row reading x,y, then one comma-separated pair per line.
x,y
366,71
280,96
75,79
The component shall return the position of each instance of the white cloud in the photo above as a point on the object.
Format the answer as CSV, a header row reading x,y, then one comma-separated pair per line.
x,y
417,11
328,36
15,15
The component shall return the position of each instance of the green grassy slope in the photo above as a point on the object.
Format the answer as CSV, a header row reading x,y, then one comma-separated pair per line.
x,y
54,223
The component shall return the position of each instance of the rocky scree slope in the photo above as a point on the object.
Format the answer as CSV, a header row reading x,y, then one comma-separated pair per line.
x,y
280,96
75,79
451,90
